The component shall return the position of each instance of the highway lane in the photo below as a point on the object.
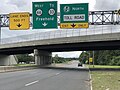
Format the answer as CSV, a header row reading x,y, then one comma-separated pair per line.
x,y
71,64
45,79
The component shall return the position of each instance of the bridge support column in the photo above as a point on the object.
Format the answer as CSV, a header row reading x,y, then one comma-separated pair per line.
x,y
42,57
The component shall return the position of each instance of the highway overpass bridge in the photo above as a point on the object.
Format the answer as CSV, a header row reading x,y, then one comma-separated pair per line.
x,y
75,43
44,43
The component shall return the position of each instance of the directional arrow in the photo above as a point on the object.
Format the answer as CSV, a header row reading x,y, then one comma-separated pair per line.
x,y
73,25
44,24
19,25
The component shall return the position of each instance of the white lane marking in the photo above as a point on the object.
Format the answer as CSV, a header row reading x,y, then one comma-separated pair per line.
x,y
32,83
57,73
33,72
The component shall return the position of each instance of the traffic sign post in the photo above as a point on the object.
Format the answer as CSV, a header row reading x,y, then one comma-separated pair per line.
x,y
74,15
44,15
19,21
0,29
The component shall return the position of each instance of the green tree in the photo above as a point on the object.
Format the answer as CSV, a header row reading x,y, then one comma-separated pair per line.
x,y
84,56
26,58
102,57
107,57
57,59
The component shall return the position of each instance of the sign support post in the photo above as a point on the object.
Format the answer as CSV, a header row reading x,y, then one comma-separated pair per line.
x,y
0,29
93,59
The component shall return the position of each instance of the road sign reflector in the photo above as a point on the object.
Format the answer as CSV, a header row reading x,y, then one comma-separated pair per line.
x,y
19,21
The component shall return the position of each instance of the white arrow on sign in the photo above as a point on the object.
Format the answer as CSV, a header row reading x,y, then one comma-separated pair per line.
x,y
44,24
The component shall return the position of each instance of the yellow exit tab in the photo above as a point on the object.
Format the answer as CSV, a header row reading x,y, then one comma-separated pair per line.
x,y
73,25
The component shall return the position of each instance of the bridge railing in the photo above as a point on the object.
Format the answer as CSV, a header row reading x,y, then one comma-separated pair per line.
x,y
61,33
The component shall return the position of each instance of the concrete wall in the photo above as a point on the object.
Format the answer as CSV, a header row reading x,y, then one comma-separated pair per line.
x,y
42,57
7,60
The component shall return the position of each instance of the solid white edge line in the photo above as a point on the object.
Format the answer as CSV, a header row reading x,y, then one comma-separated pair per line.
x,y
90,80
31,83
57,73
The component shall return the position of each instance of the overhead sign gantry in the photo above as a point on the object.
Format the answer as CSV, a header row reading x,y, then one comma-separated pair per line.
x,y
111,17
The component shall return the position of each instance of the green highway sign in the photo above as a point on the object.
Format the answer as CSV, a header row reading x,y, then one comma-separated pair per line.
x,y
44,15
74,15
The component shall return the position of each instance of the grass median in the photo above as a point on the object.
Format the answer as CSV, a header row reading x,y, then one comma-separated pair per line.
x,y
105,80
102,66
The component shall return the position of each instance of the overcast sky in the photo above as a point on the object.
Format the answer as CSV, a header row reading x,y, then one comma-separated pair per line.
x,y
10,6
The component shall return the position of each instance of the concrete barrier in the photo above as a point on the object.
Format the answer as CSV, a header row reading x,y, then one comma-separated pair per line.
x,y
16,68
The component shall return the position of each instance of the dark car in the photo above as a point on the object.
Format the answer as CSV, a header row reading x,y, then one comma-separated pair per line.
x,y
79,64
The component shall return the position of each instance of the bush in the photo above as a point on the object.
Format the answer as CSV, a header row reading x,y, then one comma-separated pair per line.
x,y
115,61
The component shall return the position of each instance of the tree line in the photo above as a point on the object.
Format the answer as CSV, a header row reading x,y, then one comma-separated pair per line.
x,y
102,57
26,58
57,59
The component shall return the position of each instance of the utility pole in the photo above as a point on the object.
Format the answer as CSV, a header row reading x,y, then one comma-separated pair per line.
x,y
93,58
89,59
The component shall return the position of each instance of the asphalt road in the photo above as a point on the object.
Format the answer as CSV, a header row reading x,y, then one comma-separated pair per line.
x,y
45,79
71,64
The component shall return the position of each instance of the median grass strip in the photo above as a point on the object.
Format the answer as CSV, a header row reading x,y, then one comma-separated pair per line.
x,y
102,66
105,80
